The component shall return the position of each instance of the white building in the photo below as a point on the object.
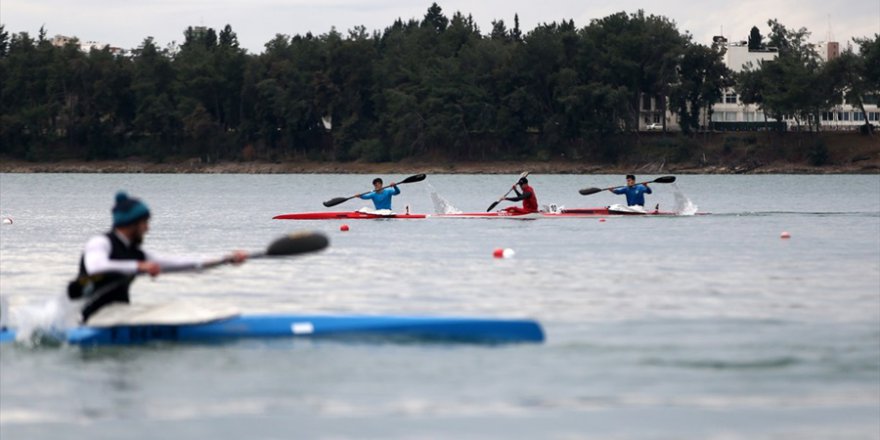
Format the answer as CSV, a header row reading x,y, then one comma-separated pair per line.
x,y
85,46
738,58
732,114
842,117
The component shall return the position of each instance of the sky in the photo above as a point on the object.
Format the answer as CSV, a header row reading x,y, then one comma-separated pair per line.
x,y
125,23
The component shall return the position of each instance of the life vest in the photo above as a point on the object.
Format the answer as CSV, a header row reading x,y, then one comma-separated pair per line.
x,y
98,290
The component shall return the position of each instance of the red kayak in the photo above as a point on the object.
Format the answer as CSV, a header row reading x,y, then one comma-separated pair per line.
x,y
563,213
345,215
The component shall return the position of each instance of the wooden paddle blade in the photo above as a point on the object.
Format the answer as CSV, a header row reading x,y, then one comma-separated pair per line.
x,y
298,243
335,201
412,179
492,206
665,179
588,191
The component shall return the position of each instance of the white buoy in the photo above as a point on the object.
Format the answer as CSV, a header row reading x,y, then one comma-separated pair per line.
x,y
7,220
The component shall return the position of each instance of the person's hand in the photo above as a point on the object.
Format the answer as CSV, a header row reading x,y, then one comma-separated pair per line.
x,y
149,267
238,257
393,184
646,184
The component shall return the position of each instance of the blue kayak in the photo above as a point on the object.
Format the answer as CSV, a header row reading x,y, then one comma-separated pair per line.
x,y
384,328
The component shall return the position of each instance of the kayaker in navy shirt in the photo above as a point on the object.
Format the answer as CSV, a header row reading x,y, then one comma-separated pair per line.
x,y
528,197
381,197
635,194
111,261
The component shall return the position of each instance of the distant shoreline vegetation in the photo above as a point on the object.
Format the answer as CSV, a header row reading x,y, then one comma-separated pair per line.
x,y
435,89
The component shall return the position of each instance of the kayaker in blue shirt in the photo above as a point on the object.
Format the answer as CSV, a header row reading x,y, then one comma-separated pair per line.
x,y
635,194
381,197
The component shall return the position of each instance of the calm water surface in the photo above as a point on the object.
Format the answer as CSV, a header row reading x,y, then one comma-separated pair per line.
x,y
658,328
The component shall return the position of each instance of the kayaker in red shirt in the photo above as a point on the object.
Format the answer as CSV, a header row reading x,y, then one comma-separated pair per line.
x,y
530,201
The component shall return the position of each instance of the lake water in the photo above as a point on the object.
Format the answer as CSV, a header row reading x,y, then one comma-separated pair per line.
x,y
703,327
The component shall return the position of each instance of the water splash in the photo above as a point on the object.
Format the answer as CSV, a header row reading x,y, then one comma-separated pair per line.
x,y
441,205
36,323
683,205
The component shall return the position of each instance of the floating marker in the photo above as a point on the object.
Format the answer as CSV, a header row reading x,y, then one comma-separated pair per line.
x,y
503,253
7,220
601,220
784,234
343,228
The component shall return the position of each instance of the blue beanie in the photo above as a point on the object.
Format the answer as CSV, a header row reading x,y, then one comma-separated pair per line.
x,y
128,210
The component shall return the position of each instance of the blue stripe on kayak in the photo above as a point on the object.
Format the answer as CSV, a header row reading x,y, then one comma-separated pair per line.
x,y
275,326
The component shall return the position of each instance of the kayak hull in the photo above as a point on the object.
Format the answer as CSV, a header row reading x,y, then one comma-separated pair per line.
x,y
415,328
345,215
564,213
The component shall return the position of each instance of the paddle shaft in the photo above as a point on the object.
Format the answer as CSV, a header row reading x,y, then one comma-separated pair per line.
x,y
410,179
621,186
285,246
589,191
495,203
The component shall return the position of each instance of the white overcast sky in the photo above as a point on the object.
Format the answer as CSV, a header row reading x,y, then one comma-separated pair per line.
x,y
125,23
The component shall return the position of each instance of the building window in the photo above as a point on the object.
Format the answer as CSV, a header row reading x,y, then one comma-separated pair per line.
x,y
646,102
750,116
874,116
827,116
730,98
730,116
759,116
656,118
717,116
858,116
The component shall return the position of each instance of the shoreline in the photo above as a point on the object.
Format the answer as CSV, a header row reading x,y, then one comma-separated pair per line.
x,y
194,166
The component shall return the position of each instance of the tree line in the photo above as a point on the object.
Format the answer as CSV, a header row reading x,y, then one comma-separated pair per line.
x,y
437,87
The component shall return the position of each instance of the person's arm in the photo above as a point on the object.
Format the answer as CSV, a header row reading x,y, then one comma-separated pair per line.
x,y
520,196
367,196
396,189
647,189
619,190
96,258
170,263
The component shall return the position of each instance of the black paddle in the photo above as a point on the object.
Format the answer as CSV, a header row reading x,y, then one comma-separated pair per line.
x,y
288,245
291,244
338,200
664,179
495,203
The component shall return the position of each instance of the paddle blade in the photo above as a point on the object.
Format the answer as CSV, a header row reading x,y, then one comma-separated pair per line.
x,y
588,191
297,243
665,179
492,206
412,179
335,201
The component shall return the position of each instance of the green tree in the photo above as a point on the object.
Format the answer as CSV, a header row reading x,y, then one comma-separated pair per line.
x,y
702,76
857,76
756,40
